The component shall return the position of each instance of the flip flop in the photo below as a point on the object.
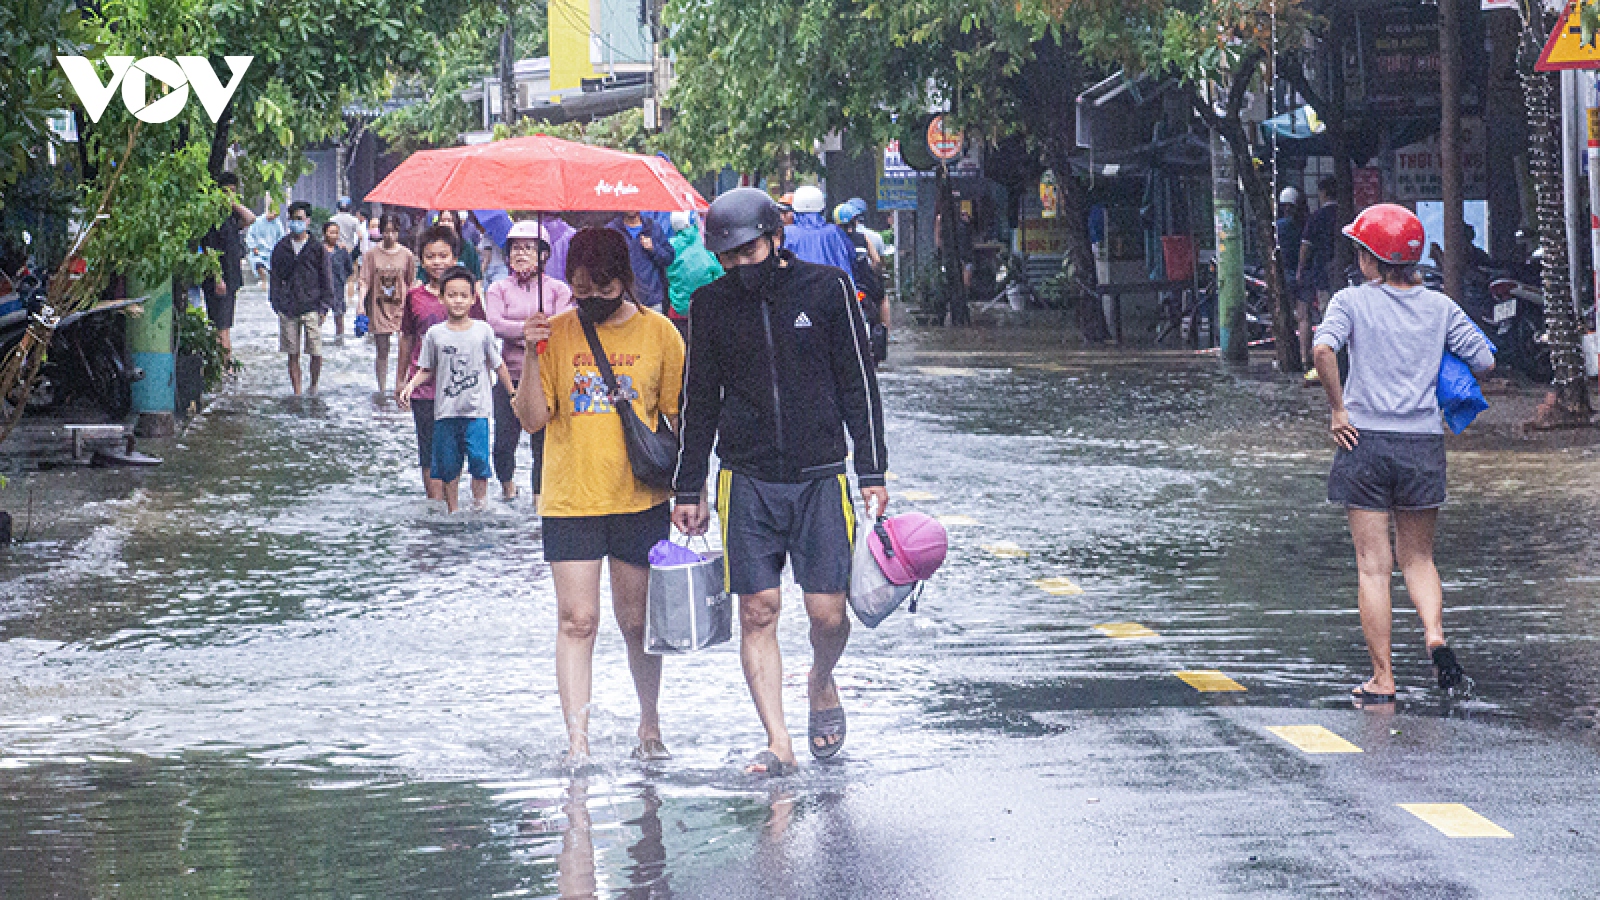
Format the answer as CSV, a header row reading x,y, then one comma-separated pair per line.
x,y
1362,695
826,723
651,750
771,765
1448,668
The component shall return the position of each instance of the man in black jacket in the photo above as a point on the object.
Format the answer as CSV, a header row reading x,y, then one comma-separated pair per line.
x,y
301,294
779,366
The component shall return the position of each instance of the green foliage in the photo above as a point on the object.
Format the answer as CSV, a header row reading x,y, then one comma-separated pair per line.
x,y
32,85
310,60
755,80
163,205
623,131
197,335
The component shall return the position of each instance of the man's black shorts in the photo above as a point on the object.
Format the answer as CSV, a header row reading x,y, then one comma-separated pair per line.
x,y
220,309
1389,470
627,537
812,523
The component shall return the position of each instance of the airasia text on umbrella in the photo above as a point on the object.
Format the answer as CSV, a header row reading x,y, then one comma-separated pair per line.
x,y
616,190
179,76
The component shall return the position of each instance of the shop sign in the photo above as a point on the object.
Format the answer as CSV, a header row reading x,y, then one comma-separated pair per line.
x,y
1416,167
944,145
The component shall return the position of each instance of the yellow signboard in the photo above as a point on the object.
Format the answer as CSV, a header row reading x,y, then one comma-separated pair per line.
x,y
1567,48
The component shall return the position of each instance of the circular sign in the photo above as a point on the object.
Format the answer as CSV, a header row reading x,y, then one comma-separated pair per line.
x,y
945,145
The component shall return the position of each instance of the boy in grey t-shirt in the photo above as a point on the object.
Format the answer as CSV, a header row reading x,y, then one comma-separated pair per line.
x,y
460,354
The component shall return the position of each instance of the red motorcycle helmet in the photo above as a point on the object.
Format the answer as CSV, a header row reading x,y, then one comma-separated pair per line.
x,y
1390,232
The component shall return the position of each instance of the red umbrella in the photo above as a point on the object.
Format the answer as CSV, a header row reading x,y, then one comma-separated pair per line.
x,y
538,172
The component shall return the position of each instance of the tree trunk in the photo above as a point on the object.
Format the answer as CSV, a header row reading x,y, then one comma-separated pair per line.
x,y
1568,404
1455,251
1073,201
220,139
508,66
1258,193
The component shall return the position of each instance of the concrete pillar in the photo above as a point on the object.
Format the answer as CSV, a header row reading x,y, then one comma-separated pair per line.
x,y
151,341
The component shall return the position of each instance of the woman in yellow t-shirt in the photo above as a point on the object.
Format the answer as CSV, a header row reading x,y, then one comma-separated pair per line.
x,y
592,507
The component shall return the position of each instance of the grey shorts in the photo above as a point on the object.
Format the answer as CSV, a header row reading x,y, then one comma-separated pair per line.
x,y
811,523
1389,470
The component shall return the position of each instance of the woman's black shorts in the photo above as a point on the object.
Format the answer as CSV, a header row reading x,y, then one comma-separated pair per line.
x,y
1389,470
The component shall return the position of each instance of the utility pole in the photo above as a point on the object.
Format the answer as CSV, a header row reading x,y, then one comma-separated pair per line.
x,y
1234,340
508,64
1455,251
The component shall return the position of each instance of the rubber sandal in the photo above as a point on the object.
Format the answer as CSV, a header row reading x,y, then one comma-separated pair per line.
x,y
826,723
771,765
651,750
1448,668
1362,695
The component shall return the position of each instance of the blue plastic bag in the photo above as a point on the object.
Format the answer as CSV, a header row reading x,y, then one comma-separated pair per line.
x,y
1460,398
362,325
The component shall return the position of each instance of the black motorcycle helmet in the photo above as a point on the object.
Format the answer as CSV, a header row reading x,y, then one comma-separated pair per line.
x,y
739,217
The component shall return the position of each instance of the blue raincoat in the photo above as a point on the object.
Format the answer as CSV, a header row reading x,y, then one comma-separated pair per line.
x,y
814,240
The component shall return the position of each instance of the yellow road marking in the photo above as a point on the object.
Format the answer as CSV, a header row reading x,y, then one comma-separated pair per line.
x,y
947,371
1209,681
1455,820
1124,630
1005,550
890,476
1061,587
954,521
1313,739
918,496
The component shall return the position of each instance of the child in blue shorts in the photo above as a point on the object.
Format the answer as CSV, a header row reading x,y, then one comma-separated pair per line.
x,y
461,353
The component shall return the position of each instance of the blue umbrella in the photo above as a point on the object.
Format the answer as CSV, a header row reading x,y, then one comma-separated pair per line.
x,y
496,224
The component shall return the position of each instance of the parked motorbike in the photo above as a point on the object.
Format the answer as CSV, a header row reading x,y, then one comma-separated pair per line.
x,y
87,358
1515,325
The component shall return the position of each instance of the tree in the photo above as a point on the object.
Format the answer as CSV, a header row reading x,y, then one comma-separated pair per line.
x,y
1218,49
758,81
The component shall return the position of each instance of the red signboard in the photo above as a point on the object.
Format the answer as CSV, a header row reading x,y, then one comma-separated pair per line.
x,y
945,145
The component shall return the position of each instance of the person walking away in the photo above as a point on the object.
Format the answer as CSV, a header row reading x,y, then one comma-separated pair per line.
x,y
778,369
811,238
650,249
386,278
1389,467
865,270
222,295
508,304
339,268
301,294
262,238
593,507
1315,273
693,267
349,228
424,308
459,356
1290,228
873,238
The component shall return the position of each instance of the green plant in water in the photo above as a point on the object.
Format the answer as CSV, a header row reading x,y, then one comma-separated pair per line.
x,y
197,335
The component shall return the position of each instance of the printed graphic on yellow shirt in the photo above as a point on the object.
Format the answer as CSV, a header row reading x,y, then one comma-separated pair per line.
x,y
590,397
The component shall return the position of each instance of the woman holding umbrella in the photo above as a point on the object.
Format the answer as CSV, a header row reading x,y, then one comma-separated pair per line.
x,y
509,303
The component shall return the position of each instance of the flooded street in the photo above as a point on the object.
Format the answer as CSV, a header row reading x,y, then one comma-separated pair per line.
x,y
271,669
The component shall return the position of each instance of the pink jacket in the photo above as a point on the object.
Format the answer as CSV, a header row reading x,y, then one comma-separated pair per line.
x,y
507,305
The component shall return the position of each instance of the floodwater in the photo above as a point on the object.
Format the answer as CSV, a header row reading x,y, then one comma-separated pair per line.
x,y
273,670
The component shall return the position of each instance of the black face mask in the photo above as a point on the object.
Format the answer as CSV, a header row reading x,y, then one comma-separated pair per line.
x,y
757,277
597,309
